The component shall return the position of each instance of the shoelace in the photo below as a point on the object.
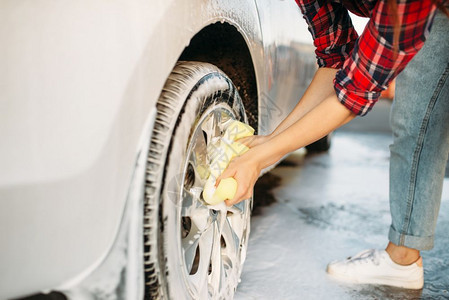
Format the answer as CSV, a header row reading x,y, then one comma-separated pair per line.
x,y
365,256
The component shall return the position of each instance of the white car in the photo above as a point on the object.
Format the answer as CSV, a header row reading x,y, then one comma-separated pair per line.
x,y
106,110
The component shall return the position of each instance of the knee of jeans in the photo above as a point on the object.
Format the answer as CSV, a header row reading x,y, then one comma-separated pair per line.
x,y
404,141
401,130
404,122
397,121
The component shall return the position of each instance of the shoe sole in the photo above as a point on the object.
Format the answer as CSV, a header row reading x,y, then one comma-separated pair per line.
x,y
416,284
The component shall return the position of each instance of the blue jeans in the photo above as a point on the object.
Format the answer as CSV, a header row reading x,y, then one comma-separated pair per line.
x,y
420,149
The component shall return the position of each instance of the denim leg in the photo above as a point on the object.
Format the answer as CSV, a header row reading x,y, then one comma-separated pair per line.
x,y
420,149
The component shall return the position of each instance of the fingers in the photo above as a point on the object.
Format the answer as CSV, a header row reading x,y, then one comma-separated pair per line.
x,y
228,172
235,200
242,193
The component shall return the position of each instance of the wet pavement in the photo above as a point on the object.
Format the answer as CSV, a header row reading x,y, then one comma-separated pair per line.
x,y
312,209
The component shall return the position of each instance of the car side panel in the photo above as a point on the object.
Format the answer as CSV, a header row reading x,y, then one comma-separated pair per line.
x,y
289,60
74,98
79,79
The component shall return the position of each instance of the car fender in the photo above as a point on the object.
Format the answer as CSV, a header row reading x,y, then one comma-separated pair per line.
x,y
79,80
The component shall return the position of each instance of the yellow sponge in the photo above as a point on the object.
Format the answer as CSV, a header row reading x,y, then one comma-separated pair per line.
x,y
224,154
237,130
234,149
225,190
227,149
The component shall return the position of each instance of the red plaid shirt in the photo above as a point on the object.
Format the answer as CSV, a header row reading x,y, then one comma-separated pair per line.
x,y
367,63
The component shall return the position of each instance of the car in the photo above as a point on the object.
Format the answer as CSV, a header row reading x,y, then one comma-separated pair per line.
x,y
107,109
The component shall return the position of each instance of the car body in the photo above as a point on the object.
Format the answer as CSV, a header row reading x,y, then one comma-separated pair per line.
x,y
80,82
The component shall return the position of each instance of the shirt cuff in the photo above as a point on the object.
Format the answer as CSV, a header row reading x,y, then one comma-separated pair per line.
x,y
358,102
330,61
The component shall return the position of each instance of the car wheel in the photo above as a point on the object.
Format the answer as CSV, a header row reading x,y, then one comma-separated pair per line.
x,y
192,250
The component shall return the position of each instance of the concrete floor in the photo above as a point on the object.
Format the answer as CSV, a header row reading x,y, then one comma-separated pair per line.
x,y
313,209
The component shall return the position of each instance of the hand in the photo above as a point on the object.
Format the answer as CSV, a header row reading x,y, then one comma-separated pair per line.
x,y
253,140
245,169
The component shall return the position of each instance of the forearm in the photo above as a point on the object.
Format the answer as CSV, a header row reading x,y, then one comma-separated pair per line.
x,y
319,89
327,116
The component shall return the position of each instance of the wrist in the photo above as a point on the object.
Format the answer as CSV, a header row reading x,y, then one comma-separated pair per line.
x,y
271,135
264,155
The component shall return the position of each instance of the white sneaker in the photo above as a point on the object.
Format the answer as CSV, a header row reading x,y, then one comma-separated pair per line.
x,y
376,267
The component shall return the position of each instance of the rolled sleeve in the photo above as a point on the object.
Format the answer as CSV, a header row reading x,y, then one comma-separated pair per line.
x,y
332,31
374,62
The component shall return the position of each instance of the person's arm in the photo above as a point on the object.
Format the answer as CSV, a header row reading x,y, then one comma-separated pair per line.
x,y
319,89
327,116
321,114
372,65
334,37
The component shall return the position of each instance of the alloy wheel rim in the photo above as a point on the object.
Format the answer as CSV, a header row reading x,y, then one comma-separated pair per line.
x,y
213,239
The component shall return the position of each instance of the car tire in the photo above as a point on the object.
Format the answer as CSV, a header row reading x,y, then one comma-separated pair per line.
x,y
191,250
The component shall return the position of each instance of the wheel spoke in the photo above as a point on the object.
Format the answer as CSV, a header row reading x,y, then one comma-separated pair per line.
x,y
238,209
225,120
217,122
201,219
214,278
199,279
198,159
190,245
232,241
208,127
190,202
